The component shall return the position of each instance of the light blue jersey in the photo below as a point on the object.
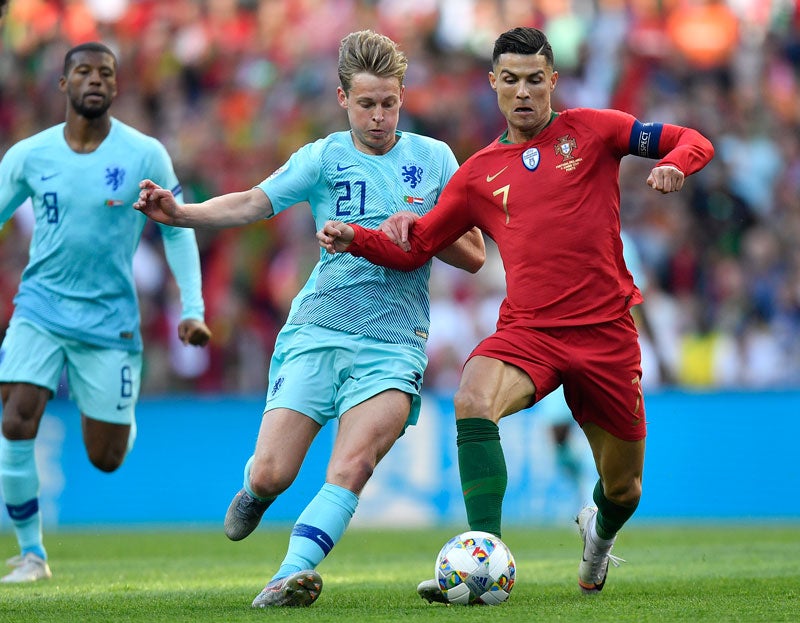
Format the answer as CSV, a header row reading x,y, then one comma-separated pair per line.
x,y
347,293
79,279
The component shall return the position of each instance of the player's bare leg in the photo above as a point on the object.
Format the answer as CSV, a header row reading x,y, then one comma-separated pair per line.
x,y
283,441
620,464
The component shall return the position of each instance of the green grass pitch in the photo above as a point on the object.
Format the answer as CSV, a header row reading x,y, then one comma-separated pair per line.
x,y
691,573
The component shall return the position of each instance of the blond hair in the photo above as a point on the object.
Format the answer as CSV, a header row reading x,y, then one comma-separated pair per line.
x,y
366,51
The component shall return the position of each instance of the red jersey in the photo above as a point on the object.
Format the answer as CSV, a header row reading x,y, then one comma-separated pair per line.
x,y
552,206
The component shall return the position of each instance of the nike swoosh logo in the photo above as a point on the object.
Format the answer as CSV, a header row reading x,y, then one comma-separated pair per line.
x,y
47,177
121,407
489,178
326,542
339,167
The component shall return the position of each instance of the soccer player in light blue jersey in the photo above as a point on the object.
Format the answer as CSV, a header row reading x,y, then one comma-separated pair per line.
x,y
76,306
353,346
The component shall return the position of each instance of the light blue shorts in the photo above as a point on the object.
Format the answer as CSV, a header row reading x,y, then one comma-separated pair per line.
x,y
322,373
103,382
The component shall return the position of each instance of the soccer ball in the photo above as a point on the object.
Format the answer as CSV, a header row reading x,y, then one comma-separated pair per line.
x,y
475,568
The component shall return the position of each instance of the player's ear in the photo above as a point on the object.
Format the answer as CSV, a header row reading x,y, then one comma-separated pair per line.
x,y
493,81
341,96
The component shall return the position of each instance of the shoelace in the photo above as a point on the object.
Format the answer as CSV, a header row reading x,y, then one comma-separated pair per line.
x,y
598,564
615,560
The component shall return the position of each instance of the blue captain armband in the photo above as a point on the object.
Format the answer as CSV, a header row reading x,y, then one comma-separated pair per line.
x,y
644,139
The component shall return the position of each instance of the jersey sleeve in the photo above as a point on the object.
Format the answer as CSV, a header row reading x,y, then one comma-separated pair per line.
x,y
442,226
13,190
292,182
162,172
180,244
683,148
183,258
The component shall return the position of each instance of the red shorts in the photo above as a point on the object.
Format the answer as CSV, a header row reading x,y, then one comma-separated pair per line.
x,y
599,365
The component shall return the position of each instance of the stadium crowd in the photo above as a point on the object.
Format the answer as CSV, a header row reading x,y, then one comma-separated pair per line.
x,y
233,87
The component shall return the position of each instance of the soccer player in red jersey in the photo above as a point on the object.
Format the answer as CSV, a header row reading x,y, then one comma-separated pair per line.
x,y
547,192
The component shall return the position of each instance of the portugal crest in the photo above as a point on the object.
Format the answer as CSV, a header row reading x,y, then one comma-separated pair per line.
x,y
565,146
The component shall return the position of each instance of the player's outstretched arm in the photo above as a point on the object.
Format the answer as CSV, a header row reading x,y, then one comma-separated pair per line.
x,y
158,203
231,210
467,253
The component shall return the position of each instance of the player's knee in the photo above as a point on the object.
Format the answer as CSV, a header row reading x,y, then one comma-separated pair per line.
x,y
469,404
352,474
16,427
21,420
625,493
269,479
107,459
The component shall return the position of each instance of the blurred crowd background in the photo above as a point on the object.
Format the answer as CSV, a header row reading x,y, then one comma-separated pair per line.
x,y
232,88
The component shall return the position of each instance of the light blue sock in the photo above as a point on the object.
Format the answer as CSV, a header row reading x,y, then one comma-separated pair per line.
x,y
19,485
318,529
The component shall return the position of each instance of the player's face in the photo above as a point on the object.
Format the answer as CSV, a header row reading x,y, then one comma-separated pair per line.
x,y
523,83
90,83
373,109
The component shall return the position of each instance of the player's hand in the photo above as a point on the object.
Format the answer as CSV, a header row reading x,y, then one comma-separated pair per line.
x,y
666,179
157,203
335,236
397,227
194,332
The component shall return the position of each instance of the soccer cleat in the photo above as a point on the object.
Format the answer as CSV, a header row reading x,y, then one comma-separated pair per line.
x,y
430,591
243,516
28,568
593,569
299,589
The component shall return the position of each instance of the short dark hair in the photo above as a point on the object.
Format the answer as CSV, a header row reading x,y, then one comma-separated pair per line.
x,y
91,46
523,40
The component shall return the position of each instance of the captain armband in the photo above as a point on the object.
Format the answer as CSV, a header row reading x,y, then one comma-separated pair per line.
x,y
644,139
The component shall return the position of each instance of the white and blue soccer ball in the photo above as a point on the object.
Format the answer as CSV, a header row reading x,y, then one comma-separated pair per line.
x,y
475,568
